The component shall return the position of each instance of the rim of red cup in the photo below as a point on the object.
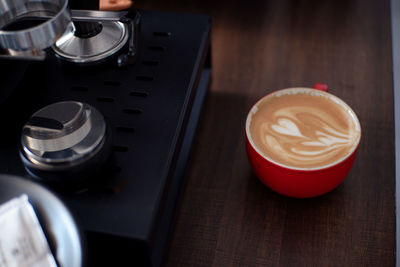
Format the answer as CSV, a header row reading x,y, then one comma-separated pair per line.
x,y
331,97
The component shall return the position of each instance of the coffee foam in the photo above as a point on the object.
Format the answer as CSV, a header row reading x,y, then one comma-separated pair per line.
x,y
303,128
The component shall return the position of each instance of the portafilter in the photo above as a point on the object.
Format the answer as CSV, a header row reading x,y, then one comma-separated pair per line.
x,y
28,27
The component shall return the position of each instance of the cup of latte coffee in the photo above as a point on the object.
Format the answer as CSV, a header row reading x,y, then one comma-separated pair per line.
x,y
302,142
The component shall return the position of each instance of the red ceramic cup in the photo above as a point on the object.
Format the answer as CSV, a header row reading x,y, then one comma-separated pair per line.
x,y
299,182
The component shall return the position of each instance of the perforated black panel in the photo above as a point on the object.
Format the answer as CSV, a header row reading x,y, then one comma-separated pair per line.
x,y
152,108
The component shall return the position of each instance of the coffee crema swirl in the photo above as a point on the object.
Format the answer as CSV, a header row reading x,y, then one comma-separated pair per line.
x,y
303,130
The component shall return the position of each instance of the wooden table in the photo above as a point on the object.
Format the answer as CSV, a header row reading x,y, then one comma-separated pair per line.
x,y
226,216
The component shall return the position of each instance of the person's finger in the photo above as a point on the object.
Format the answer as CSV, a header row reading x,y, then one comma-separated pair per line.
x,y
115,4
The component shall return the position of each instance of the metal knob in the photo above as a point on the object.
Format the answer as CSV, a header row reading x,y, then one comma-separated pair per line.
x,y
62,135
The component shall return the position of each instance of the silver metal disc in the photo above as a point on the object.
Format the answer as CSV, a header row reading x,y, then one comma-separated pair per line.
x,y
110,40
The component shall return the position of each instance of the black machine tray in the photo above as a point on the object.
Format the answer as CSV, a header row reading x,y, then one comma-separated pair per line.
x,y
152,106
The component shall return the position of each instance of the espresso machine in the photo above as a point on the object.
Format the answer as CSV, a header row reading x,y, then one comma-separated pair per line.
x,y
101,107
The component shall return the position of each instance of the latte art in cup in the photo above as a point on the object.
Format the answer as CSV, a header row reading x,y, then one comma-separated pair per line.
x,y
304,128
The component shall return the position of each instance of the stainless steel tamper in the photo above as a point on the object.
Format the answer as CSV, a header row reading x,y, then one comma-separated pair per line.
x,y
65,142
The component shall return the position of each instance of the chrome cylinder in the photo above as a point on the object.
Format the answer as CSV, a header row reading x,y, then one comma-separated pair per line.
x,y
53,16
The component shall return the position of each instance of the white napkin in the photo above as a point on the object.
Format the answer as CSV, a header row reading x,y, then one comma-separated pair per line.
x,y
22,241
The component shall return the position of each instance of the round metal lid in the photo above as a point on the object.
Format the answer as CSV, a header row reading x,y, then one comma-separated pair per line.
x,y
112,37
62,135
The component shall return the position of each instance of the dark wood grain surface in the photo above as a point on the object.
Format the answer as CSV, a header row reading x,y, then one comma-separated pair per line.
x,y
226,217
